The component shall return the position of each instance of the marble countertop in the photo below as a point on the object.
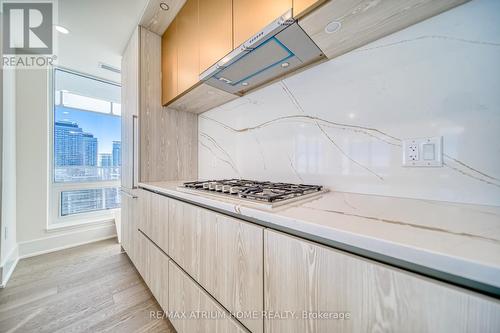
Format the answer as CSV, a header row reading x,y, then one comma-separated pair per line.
x,y
459,240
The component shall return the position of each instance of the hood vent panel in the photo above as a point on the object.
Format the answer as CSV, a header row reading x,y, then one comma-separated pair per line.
x,y
260,59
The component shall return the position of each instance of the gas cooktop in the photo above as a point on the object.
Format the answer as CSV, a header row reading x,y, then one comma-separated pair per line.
x,y
255,191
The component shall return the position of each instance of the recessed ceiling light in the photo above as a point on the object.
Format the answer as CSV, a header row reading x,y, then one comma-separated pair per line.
x,y
164,6
285,64
332,27
244,84
62,29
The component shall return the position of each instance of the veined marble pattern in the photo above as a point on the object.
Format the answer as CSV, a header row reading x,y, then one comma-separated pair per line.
x,y
340,124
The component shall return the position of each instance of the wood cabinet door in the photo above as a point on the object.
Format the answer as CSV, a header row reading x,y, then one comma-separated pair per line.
x,y
169,73
154,218
130,107
126,209
188,59
130,221
301,7
202,314
250,16
312,280
153,266
216,31
183,242
223,254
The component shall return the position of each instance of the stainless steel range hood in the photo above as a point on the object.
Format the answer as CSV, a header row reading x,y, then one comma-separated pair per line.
x,y
280,48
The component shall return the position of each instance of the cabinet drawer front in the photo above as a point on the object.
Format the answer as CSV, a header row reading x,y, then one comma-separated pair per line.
x,y
130,222
193,310
222,254
154,218
153,266
303,276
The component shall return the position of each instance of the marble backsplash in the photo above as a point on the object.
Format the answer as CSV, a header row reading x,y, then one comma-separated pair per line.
x,y
340,124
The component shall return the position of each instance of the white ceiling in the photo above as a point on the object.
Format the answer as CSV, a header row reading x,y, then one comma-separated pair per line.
x,y
99,31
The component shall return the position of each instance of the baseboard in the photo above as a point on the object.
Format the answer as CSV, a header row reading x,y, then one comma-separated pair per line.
x,y
8,266
66,240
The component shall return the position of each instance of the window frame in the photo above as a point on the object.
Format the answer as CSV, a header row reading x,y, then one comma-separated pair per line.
x,y
55,219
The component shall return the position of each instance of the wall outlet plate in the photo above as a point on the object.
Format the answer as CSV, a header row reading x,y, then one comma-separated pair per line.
x,y
423,152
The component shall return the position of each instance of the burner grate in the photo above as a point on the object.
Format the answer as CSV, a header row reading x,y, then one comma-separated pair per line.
x,y
255,190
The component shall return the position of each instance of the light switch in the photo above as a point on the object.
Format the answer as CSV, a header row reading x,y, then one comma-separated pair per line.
x,y
428,150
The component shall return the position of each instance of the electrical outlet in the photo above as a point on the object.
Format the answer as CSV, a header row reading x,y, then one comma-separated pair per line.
x,y
423,152
412,151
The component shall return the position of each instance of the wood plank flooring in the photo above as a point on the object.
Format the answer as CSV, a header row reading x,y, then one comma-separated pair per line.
x,y
89,288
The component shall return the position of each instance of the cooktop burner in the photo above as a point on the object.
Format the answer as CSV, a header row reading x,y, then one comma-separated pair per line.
x,y
254,190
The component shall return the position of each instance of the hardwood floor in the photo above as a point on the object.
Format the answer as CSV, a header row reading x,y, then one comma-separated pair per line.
x,y
90,288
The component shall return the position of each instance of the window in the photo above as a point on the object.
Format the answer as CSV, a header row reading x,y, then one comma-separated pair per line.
x,y
86,148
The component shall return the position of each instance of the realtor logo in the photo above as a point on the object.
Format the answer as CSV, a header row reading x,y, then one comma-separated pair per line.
x,y
27,28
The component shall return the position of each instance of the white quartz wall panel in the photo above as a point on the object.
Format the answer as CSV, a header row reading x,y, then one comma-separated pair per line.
x,y
341,123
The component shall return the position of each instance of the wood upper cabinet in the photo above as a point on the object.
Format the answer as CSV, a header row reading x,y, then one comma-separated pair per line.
x,y
250,16
216,31
304,276
188,46
169,52
301,7
224,255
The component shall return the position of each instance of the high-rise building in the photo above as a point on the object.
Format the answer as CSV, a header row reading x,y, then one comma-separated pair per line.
x,y
67,144
105,160
72,146
117,153
89,144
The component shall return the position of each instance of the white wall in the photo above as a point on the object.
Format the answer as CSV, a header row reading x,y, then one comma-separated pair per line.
x,y
340,124
8,231
32,149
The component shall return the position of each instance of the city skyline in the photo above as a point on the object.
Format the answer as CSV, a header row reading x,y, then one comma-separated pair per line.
x,y
75,147
87,146
106,128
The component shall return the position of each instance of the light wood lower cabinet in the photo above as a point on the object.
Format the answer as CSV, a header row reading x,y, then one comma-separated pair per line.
x,y
153,267
130,222
193,310
223,254
154,217
231,265
310,279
